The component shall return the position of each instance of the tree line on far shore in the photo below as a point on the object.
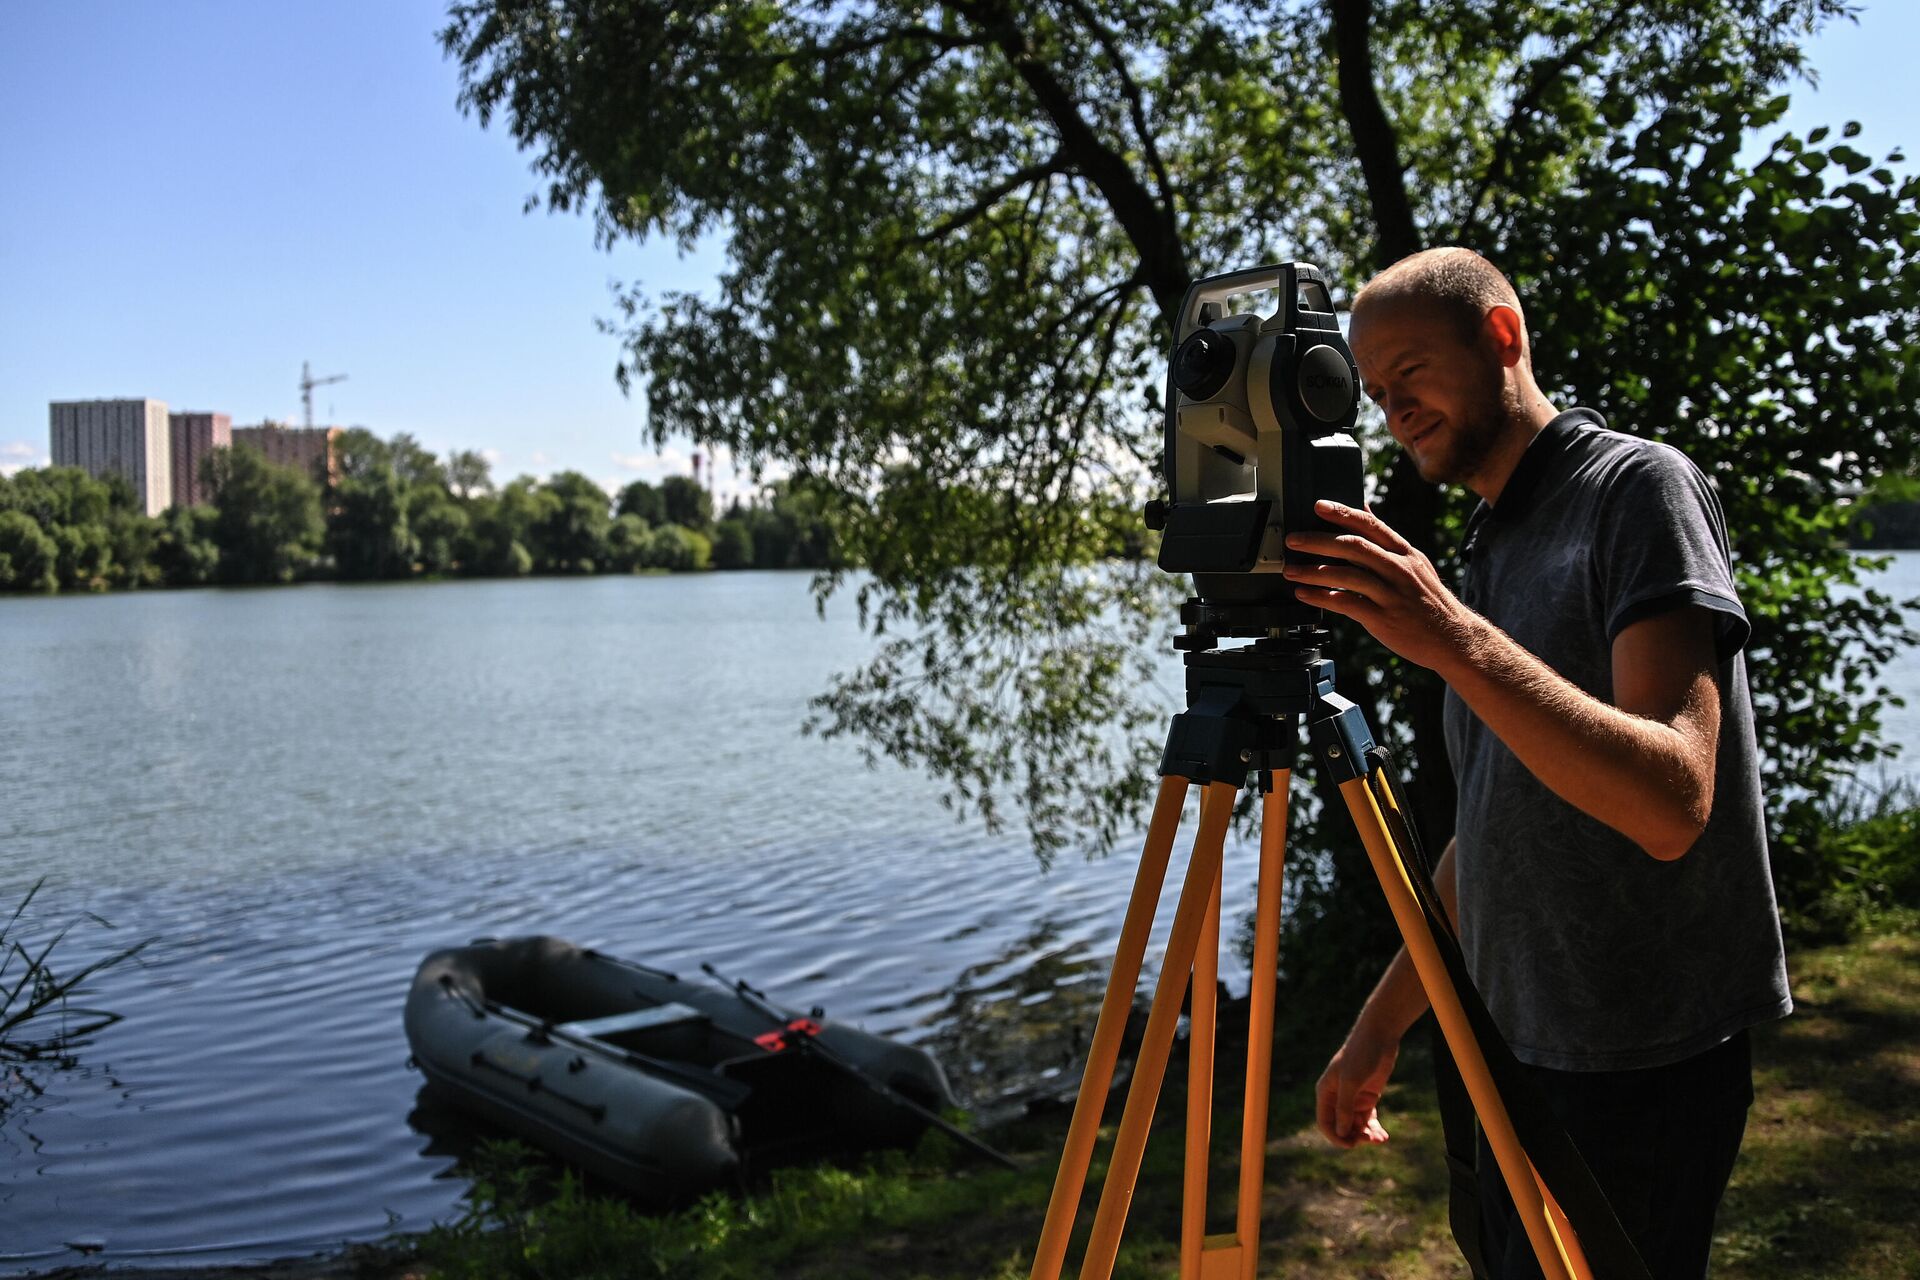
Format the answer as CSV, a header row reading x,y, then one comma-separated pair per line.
x,y
1887,516
392,510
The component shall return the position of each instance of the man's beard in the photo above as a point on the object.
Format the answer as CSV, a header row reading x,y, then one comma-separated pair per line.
x,y
1473,440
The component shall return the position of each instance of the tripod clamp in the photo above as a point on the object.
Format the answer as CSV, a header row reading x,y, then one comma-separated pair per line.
x,y
1243,712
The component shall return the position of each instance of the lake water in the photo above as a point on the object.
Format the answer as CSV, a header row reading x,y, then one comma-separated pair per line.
x,y
300,791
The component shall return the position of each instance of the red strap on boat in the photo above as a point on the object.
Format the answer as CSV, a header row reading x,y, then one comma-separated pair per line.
x,y
776,1041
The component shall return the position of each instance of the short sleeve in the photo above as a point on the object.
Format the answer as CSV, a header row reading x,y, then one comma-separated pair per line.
x,y
1662,544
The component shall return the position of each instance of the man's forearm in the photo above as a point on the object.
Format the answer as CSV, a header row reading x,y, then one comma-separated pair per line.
x,y
1638,775
1643,765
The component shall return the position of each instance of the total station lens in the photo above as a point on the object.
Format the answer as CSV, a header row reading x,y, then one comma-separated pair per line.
x,y
1203,364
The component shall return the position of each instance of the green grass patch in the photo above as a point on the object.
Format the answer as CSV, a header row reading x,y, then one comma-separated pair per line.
x,y
1828,1183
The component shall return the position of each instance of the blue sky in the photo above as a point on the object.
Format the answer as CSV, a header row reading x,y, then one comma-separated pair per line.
x,y
197,195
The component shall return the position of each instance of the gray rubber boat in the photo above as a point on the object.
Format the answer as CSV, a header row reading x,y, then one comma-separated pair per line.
x,y
666,1087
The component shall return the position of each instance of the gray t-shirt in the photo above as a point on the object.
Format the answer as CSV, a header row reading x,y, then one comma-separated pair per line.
x,y
1592,955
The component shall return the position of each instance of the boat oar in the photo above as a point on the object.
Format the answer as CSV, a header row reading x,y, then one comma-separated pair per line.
x,y
811,1043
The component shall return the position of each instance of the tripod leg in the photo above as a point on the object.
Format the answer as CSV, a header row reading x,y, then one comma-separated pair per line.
x,y
1051,1252
1123,1167
1266,963
1203,1018
1558,1250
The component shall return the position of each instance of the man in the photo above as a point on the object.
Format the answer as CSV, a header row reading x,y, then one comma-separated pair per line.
x,y
1608,875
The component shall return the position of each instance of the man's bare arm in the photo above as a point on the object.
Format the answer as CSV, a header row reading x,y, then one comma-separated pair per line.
x,y
1643,764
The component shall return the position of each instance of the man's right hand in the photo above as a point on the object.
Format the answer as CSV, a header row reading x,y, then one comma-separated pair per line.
x,y
1349,1092
1350,1088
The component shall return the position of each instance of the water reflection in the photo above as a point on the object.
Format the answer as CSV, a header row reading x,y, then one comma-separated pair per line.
x,y
1015,1027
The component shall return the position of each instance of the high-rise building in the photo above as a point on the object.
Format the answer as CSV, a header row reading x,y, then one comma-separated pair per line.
x,y
311,448
126,438
192,437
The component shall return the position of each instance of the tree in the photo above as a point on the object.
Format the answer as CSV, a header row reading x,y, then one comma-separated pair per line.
x,y
503,528
627,541
85,519
184,551
468,474
643,500
571,536
957,231
29,559
440,524
416,466
367,529
733,544
685,503
679,549
267,522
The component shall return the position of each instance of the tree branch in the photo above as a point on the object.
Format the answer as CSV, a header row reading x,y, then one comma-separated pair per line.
x,y
1546,72
1136,101
992,196
1374,140
830,51
1410,504
1149,225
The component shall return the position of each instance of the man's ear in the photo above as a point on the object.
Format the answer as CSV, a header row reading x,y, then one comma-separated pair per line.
x,y
1504,335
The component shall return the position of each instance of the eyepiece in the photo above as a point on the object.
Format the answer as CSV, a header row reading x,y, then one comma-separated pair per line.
x,y
1203,364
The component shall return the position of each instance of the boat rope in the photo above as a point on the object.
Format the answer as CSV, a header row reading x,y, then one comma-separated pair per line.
x,y
534,1084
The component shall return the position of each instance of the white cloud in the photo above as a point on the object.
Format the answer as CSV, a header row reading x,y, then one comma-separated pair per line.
x,y
17,455
655,466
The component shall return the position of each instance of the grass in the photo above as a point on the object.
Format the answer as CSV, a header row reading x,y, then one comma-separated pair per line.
x,y
1828,1183
935,1215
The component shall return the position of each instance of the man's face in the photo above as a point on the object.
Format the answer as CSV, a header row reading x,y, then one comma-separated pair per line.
x,y
1440,391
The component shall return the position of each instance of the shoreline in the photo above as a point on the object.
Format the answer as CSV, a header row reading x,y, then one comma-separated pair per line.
x,y
351,1262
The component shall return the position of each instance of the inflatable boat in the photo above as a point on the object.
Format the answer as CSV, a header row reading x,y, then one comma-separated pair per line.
x,y
666,1087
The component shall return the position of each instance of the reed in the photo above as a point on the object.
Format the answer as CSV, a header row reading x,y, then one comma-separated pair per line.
x,y
42,1023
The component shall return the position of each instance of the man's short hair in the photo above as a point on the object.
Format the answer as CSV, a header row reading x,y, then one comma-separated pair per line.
x,y
1459,283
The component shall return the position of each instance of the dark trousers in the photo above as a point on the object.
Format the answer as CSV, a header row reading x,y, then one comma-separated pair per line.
x,y
1661,1142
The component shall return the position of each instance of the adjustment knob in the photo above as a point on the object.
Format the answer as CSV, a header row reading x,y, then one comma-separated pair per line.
x,y
1156,514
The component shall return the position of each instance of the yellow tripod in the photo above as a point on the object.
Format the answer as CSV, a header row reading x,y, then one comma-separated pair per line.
x,y
1243,712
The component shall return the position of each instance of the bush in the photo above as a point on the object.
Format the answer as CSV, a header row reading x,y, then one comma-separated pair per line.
x,y
627,542
1861,864
679,549
29,559
732,545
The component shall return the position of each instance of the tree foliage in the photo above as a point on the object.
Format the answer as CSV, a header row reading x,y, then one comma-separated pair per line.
x,y
268,525
392,511
955,232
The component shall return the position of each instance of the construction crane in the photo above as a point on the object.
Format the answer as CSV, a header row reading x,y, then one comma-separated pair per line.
x,y
308,382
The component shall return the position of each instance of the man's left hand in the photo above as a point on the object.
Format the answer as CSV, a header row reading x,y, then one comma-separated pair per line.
x,y
1385,584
